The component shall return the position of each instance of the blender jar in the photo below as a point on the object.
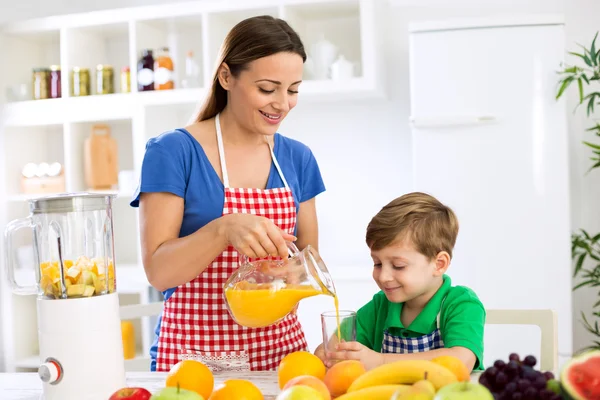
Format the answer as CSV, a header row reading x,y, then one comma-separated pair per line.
x,y
73,246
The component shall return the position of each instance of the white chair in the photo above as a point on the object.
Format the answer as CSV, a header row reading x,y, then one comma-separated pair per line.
x,y
546,320
137,311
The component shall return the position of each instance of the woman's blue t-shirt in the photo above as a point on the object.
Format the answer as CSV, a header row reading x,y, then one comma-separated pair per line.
x,y
175,162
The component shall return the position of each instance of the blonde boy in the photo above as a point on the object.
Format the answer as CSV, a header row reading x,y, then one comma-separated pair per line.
x,y
417,314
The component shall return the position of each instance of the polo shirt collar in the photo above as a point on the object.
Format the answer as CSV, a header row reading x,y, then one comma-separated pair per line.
x,y
427,318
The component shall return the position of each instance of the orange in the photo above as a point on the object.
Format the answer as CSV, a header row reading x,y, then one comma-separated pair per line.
x,y
191,375
455,365
299,363
236,389
341,375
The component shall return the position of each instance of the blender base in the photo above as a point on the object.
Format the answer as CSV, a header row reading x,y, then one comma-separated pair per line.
x,y
81,348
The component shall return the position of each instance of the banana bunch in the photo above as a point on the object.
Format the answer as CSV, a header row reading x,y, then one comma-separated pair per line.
x,y
400,380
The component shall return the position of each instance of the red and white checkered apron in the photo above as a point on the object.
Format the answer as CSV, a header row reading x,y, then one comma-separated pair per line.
x,y
195,321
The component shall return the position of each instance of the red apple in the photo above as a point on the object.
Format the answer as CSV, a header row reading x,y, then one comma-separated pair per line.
x,y
131,393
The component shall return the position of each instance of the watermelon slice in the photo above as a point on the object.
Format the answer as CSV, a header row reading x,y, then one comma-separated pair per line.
x,y
580,377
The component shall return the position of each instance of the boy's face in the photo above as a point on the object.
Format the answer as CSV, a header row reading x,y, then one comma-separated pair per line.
x,y
403,273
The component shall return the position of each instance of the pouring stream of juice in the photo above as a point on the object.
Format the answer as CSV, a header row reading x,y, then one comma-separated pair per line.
x,y
336,303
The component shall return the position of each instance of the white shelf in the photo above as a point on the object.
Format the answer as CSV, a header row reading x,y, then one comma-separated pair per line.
x,y
55,129
125,105
117,39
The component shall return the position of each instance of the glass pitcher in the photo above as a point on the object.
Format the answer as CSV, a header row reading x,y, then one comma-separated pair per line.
x,y
73,246
263,292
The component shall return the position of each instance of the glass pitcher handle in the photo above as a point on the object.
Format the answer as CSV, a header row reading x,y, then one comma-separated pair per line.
x,y
292,249
11,228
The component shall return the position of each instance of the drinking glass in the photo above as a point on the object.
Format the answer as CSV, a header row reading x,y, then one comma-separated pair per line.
x,y
329,324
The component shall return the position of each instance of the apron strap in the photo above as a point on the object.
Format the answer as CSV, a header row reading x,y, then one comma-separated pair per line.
x,y
221,152
222,157
277,166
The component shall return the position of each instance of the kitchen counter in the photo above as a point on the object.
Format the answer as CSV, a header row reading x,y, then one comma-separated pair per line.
x,y
27,386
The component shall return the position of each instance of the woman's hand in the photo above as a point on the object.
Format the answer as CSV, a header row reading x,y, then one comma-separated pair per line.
x,y
355,351
255,236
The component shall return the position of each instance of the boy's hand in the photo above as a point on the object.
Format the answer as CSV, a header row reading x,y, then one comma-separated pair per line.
x,y
320,352
356,351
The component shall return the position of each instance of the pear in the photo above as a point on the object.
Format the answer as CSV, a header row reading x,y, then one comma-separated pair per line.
x,y
425,386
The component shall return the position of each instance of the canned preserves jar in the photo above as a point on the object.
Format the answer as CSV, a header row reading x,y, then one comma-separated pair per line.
x,y
80,82
55,79
41,83
105,77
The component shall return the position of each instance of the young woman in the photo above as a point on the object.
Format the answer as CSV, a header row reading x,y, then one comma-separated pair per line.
x,y
225,186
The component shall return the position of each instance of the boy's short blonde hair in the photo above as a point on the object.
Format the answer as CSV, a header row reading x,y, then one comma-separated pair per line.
x,y
429,225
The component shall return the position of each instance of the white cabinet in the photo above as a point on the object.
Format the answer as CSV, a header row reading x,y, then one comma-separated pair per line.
x,y
55,129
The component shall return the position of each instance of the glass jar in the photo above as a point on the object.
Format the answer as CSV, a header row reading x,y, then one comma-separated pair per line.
x,y
125,80
163,70
41,83
105,78
55,82
145,71
80,82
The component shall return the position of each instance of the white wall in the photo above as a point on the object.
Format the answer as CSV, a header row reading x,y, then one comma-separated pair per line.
x,y
377,132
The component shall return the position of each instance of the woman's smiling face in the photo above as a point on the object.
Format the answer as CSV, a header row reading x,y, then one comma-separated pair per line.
x,y
264,93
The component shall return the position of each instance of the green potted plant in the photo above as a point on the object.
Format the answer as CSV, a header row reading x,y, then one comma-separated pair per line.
x,y
586,247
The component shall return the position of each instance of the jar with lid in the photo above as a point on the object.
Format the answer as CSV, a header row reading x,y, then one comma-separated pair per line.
x,y
163,70
41,83
105,78
145,71
55,82
80,82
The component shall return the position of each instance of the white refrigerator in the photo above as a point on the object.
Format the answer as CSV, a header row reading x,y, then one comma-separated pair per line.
x,y
490,140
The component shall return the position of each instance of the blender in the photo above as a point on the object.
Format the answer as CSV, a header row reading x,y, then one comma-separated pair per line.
x,y
79,328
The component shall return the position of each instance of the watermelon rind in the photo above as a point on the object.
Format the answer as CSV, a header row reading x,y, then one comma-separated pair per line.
x,y
568,390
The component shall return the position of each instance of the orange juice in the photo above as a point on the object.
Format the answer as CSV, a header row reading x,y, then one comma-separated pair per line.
x,y
259,305
336,304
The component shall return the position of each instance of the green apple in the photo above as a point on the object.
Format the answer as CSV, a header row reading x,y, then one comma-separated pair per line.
x,y
464,391
174,393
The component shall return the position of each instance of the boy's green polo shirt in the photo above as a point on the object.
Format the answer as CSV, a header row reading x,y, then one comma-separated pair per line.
x,y
461,320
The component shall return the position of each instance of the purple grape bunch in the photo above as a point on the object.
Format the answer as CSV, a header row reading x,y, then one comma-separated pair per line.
x,y
518,380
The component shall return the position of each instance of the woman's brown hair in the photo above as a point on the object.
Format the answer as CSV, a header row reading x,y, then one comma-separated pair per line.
x,y
249,40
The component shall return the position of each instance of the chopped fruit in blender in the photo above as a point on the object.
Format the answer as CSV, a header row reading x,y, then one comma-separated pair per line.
x,y
83,278
73,274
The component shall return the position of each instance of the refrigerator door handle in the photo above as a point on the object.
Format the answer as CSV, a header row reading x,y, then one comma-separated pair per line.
x,y
451,121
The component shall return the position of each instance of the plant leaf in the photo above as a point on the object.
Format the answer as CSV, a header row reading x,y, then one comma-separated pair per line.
x,y
593,55
565,84
580,86
592,145
585,78
596,165
584,283
579,264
